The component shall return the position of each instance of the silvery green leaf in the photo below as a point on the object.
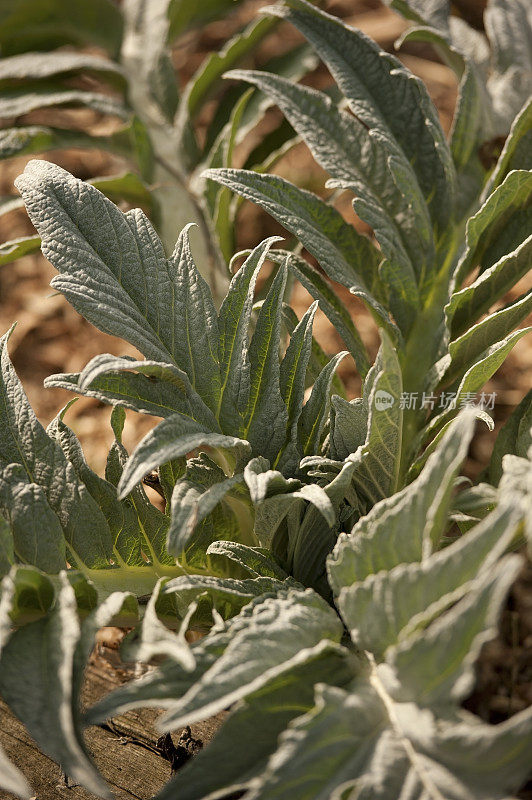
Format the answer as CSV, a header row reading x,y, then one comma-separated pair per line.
x,y
472,121
265,414
377,461
274,497
24,441
36,675
383,95
318,357
381,610
350,420
451,52
476,376
15,102
195,332
153,638
383,748
151,524
12,780
310,534
305,610
114,271
315,412
408,525
167,388
346,256
293,369
38,66
233,324
191,504
474,342
349,425
492,284
514,437
245,666
473,125
121,518
16,248
359,161
175,437
254,562
126,186
456,637
497,228
515,154
320,289
264,483
508,28
37,535
276,705
434,13
225,596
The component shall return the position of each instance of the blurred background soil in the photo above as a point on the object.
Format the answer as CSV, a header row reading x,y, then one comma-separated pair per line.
x,y
51,337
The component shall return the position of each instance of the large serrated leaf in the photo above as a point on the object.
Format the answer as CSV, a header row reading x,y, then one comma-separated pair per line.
x,y
346,256
150,387
497,228
491,285
270,619
24,441
316,410
383,95
377,461
233,325
407,526
273,620
276,705
473,343
114,271
37,535
191,504
121,518
265,415
174,437
293,369
359,161
378,609
43,699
